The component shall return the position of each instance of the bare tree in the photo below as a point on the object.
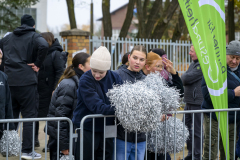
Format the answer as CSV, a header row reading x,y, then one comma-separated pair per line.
x,y
71,14
179,28
231,24
107,23
170,8
128,19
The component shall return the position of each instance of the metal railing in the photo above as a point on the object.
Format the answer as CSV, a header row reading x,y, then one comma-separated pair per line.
x,y
33,120
113,130
177,51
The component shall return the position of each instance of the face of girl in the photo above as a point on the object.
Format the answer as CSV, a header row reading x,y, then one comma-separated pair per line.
x,y
136,61
157,66
98,75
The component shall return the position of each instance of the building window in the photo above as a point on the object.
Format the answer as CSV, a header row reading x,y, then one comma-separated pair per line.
x,y
20,13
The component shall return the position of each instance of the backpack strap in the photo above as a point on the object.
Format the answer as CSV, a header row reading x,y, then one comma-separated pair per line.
x,y
234,75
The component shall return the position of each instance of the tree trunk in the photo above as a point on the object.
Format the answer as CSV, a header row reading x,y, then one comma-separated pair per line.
x,y
153,17
164,20
128,19
71,14
180,27
107,23
141,20
145,11
231,24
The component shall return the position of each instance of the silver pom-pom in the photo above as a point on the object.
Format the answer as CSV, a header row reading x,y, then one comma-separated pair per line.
x,y
66,157
165,136
13,143
169,96
137,107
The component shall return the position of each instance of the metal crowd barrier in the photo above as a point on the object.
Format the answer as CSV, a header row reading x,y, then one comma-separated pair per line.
x,y
111,132
33,120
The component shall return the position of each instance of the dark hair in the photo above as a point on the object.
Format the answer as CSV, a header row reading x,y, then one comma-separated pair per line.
x,y
125,58
159,51
79,58
49,37
139,48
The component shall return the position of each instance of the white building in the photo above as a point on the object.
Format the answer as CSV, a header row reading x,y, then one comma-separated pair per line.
x,y
41,15
38,12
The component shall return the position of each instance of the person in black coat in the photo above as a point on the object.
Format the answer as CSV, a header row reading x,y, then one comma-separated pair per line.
x,y
233,92
24,51
48,77
5,103
63,102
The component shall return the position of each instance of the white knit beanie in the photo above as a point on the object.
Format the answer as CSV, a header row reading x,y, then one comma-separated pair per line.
x,y
101,59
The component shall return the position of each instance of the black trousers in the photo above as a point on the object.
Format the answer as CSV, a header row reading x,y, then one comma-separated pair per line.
x,y
25,100
98,146
197,130
53,148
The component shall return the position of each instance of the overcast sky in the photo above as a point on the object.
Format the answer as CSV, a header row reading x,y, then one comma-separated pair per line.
x,y
57,14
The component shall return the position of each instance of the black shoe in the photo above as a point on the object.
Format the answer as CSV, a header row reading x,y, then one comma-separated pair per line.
x,y
37,144
43,150
188,157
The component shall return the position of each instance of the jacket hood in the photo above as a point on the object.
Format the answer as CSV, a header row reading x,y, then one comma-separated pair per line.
x,y
75,79
23,29
134,75
123,66
55,47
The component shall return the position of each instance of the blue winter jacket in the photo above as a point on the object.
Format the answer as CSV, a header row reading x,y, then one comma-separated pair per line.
x,y
92,99
233,102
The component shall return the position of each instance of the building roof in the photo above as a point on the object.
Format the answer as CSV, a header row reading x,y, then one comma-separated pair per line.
x,y
113,12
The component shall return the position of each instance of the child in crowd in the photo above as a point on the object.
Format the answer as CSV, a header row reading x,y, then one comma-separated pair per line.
x,y
124,61
137,60
155,64
5,101
92,99
64,101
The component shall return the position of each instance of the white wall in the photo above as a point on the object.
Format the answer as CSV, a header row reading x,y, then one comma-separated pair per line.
x,y
41,22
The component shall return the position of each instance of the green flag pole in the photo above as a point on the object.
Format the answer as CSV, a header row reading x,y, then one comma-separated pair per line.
x,y
205,20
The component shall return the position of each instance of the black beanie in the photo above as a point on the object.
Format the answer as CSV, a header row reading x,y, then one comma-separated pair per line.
x,y
159,51
28,20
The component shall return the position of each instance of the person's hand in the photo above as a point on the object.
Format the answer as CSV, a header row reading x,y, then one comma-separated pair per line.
x,y
163,117
65,152
34,67
169,66
237,91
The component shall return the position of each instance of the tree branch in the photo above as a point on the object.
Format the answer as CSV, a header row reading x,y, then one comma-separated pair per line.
x,y
164,20
128,19
152,17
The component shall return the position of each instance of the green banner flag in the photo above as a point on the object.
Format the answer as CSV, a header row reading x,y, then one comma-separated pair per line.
x,y
205,20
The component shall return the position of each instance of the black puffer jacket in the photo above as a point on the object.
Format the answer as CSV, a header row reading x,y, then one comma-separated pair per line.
x,y
19,48
5,101
63,102
48,76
